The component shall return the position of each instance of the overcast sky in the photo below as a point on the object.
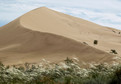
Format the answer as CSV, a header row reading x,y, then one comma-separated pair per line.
x,y
103,12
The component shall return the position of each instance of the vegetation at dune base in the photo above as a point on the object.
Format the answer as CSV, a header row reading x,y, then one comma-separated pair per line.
x,y
67,72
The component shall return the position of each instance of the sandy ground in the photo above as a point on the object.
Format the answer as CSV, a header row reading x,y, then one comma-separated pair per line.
x,y
46,34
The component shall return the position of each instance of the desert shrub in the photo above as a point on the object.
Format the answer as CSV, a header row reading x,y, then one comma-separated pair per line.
x,y
95,42
113,51
67,72
116,79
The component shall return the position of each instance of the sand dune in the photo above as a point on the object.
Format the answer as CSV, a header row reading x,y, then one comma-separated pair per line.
x,y
45,33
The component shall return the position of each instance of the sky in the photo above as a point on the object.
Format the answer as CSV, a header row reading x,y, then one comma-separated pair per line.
x,y
103,12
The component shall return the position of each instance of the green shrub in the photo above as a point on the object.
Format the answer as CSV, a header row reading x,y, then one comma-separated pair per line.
x,y
95,42
68,72
113,51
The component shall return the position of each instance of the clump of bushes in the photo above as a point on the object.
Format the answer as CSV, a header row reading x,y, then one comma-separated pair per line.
x,y
113,51
67,72
95,42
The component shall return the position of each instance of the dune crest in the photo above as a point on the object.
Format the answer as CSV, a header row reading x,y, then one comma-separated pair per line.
x,y
46,34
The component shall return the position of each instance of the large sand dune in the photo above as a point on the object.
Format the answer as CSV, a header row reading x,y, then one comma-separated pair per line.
x,y
46,34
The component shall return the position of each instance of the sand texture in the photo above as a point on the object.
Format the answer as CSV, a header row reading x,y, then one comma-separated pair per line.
x,y
46,34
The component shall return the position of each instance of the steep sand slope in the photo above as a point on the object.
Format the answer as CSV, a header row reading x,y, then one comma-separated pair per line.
x,y
46,20
44,33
